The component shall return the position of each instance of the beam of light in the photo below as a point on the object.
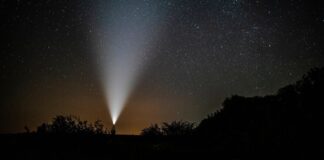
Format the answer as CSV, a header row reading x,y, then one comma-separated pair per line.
x,y
126,32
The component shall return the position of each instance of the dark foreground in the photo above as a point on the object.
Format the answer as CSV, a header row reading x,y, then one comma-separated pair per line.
x,y
286,125
33,146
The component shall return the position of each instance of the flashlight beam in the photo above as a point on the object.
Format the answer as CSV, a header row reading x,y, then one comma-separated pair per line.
x,y
125,37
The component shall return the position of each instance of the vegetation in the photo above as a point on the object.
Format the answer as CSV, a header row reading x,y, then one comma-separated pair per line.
x,y
71,125
287,123
175,128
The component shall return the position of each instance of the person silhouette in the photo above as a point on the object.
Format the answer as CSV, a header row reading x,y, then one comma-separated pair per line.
x,y
113,130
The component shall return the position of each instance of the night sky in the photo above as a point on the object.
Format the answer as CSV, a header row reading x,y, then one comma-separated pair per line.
x,y
201,53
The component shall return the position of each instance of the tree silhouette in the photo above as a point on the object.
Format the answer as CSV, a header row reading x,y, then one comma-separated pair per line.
x,y
288,120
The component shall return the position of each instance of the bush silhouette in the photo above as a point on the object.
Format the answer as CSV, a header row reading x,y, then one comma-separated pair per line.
x,y
178,128
175,128
72,125
153,130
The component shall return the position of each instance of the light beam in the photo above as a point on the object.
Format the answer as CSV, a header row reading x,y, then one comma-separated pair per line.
x,y
125,35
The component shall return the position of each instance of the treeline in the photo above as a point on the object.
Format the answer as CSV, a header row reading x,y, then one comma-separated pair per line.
x,y
296,111
295,114
290,121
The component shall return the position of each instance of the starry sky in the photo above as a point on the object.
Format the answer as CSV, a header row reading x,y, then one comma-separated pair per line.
x,y
203,52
